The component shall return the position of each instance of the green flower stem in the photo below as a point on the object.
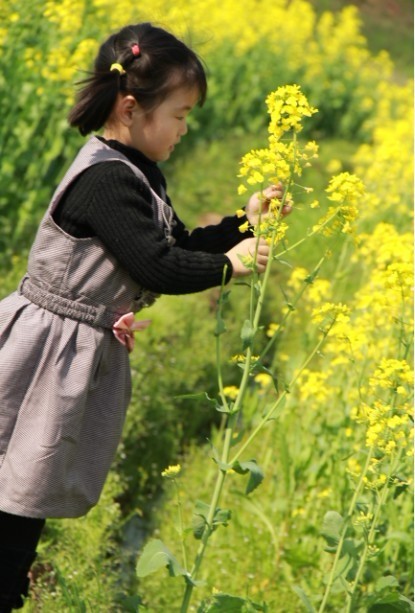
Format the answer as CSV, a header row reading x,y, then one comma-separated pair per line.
x,y
219,344
213,506
181,524
344,530
264,284
370,538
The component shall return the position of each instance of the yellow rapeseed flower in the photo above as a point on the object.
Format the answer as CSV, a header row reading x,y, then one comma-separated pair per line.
x,y
263,379
171,472
231,391
346,192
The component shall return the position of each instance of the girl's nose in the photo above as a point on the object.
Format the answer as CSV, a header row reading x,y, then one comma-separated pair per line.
x,y
184,129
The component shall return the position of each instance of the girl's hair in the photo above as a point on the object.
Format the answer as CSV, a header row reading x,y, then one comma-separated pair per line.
x,y
151,64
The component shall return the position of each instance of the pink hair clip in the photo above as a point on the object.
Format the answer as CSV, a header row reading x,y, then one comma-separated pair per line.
x,y
135,50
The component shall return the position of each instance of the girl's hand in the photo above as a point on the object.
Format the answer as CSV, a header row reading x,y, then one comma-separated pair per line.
x,y
246,248
260,201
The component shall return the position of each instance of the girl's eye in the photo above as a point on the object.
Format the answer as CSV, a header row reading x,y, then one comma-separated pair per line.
x,y
180,118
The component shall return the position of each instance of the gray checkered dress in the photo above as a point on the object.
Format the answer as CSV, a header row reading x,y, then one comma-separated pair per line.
x,y
64,377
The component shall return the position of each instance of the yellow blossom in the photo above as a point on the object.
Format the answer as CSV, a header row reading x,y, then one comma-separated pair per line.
x,y
324,493
244,227
287,106
263,379
272,329
345,191
171,472
231,391
363,519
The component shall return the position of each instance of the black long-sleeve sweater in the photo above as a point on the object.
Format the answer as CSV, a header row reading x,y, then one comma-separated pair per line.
x,y
109,201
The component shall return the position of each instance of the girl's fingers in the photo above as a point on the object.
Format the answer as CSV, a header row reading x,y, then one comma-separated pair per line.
x,y
286,209
273,191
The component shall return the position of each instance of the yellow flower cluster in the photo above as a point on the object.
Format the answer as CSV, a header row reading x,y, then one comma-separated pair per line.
x,y
171,472
389,182
231,391
375,387
388,426
287,106
263,379
67,15
371,341
346,191
331,313
280,161
273,329
393,374
240,358
315,389
363,520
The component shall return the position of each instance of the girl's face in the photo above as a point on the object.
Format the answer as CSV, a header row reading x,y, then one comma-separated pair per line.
x,y
157,133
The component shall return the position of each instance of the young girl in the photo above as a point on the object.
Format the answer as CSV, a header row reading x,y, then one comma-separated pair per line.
x,y
109,244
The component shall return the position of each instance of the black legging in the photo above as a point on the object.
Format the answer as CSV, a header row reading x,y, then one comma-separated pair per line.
x,y
19,537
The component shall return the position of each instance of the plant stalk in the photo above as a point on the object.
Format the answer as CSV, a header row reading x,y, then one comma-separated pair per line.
x,y
344,530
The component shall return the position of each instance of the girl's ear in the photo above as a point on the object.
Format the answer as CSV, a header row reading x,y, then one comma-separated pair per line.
x,y
126,106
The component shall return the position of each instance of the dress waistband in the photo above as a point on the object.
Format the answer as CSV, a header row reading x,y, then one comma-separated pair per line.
x,y
97,316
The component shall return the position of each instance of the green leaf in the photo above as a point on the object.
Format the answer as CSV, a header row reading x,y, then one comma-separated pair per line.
x,y
344,565
247,334
256,475
258,367
351,548
156,555
304,599
221,465
223,409
400,604
131,604
332,527
198,525
220,327
221,517
386,582
225,603
196,396
224,296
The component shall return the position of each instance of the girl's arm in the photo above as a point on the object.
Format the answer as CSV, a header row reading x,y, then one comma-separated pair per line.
x,y
120,215
218,238
226,234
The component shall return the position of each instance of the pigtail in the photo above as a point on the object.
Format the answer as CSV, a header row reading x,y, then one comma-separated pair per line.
x,y
95,101
98,93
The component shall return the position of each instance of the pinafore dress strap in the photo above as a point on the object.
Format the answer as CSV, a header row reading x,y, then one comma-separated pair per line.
x,y
95,152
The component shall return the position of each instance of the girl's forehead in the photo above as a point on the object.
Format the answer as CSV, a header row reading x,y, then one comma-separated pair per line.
x,y
183,97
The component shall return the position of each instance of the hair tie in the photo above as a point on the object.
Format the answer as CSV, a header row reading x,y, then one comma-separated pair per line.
x,y
118,67
135,49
